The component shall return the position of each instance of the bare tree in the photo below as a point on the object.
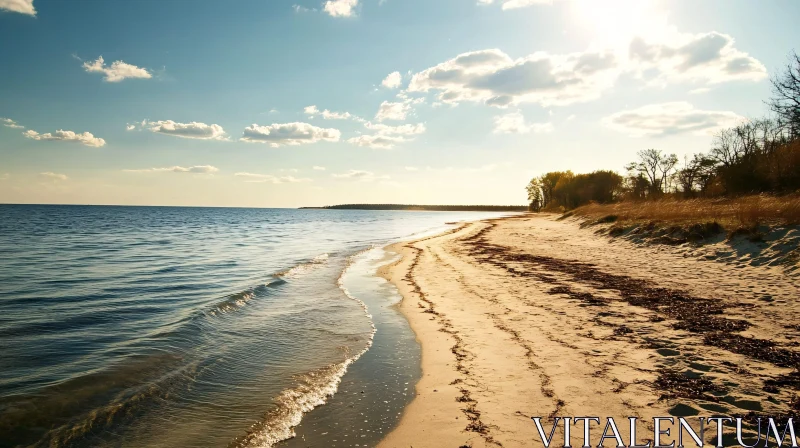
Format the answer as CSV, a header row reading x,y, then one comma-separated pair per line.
x,y
649,160
728,146
687,177
785,101
656,167
667,165
697,172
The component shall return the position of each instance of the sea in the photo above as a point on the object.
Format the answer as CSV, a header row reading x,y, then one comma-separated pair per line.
x,y
203,327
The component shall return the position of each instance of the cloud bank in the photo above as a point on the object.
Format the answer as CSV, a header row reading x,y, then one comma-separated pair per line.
x,y
708,58
494,78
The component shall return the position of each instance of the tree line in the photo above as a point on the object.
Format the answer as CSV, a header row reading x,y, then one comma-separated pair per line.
x,y
430,208
757,156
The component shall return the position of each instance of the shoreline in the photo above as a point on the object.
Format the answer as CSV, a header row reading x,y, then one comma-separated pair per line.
x,y
369,396
528,316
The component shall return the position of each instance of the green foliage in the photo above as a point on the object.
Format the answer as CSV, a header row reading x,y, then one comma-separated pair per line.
x,y
568,190
535,195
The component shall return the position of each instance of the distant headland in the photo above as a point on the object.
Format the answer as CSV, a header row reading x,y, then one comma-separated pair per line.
x,y
427,208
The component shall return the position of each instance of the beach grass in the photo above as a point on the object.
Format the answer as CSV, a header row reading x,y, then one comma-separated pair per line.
x,y
745,211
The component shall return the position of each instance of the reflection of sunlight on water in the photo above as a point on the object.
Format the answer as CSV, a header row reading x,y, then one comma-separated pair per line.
x,y
196,293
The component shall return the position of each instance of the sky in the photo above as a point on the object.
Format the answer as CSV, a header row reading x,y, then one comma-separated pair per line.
x,y
273,103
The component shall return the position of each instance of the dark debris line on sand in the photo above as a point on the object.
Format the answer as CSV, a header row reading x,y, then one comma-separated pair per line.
x,y
458,349
694,314
697,315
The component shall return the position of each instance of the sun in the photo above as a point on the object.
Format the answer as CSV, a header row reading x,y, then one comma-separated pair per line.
x,y
616,22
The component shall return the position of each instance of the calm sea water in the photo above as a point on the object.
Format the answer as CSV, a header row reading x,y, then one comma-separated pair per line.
x,y
201,327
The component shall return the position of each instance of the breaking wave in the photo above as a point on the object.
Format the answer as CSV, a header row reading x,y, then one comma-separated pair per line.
x,y
312,390
304,268
240,299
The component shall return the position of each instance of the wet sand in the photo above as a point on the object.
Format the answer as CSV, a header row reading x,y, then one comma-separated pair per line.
x,y
532,316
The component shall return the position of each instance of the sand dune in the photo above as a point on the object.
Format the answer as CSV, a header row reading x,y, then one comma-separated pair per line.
x,y
531,316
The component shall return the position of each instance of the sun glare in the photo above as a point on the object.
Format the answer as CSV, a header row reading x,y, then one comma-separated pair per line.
x,y
615,22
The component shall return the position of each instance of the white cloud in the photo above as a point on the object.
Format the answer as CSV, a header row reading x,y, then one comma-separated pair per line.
x,y
269,178
514,123
318,168
85,138
130,127
359,175
301,9
55,177
412,168
117,71
20,6
387,137
393,111
494,78
313,111
340,8
197,169
353,174
405,129
398,110
514,4
393,81
289,134
377,141
708,58
9,123
195,130
671,118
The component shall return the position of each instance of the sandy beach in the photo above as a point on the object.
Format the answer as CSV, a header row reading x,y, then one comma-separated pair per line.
x,y
534,316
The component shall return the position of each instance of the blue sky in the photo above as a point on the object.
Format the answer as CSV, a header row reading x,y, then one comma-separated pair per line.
x,y
209,103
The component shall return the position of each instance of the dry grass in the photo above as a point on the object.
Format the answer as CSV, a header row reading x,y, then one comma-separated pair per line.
x,y
747,211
